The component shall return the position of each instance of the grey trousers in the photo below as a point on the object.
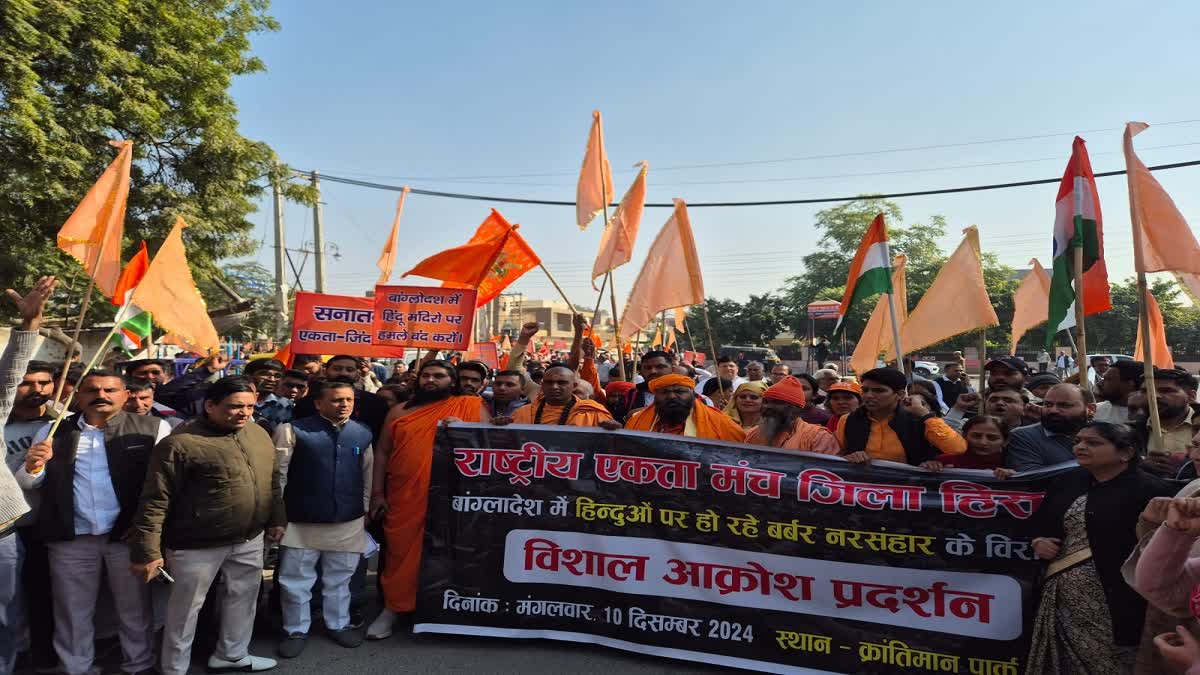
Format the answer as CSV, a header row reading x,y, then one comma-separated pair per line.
x,y
75,572
241,567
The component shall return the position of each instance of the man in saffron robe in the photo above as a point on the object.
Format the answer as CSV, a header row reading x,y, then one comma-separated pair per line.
x,y
557,403
676,410
781,425
400,489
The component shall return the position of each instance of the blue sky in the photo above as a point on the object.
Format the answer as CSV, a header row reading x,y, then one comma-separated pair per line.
x,y
432,95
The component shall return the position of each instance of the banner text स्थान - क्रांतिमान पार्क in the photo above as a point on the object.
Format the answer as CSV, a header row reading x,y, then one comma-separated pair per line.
x,y
729,554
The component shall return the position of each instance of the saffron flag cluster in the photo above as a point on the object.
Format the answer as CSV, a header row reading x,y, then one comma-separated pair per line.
x,y
491,261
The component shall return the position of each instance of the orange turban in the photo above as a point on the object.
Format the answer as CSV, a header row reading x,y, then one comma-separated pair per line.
x,y
671,380
619,387
788,390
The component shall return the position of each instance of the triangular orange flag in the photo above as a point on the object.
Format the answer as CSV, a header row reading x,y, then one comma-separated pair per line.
x,y
1162,240
284,355
1031,302
1158,337
387,257
877,337
92,235
658,337
670,345
670,277
955,303
616,244
169,292
595,178
494,258
681,319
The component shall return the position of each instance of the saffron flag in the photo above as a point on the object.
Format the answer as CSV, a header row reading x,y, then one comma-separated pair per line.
x,y
658,338
387,257
133,324
92,235
595,178
169,292
670,343
669,278
1030,303
955,303
877,335
1162,240
1159,350
284,355
1077,224
869,273
681,320
616,243
492,260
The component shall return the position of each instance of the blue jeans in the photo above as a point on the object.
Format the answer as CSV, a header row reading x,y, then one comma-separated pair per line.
x,y
10,583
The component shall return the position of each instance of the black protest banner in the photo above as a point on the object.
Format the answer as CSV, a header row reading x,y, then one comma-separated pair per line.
x,y
730,554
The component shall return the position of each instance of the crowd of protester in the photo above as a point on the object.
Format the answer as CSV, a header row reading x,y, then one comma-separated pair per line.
x,y
157,500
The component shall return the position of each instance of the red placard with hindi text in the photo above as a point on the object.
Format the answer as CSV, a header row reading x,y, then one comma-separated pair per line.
x,y
425,317
485,353
336,324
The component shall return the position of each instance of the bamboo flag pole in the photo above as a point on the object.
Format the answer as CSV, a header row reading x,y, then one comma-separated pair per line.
x,y
982,366
713,346
83,308
1080,330
612,293
887,256
86,369
558,288
599,301
1155,444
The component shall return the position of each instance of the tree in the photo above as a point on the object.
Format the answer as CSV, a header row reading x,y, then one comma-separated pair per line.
x,y
76,73
842,228
754,323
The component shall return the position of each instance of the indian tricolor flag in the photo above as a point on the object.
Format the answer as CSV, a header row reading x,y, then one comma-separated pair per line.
x,y
133,324
1077,224
870,273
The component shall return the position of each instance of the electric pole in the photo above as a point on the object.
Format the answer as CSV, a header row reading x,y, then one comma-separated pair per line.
x,y
281,290
318,234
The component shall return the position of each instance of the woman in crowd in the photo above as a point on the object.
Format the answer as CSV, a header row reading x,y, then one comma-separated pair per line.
x,y
1168,573
986,436
844,398
746,406
813,412
1089,620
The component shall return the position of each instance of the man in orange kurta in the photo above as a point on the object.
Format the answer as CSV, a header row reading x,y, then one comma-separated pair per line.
x,y
781,425
404,456
557,403
676,411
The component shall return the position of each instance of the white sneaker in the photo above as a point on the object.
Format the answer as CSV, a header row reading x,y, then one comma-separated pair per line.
x,y
381,627
247,664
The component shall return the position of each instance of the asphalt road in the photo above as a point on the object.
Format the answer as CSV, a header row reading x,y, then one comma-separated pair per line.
x,y
464,654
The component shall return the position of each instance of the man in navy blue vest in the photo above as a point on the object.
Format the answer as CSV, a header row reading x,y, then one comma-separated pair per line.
x,y
325,460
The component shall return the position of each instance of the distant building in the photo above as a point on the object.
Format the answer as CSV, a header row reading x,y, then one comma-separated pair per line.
x,y
553,315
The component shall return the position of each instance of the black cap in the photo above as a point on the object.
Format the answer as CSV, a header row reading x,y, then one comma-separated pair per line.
x,y
1011,362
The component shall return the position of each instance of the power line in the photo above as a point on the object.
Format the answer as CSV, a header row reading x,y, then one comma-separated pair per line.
x,y
780,160
773,202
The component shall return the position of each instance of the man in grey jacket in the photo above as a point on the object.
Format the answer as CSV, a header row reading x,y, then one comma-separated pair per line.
x,y
21,344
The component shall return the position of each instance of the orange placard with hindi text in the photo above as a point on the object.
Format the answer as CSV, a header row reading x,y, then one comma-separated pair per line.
x,y
336,324
425,317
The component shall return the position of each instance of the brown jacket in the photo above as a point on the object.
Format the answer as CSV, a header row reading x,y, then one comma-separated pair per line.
x,y
207,487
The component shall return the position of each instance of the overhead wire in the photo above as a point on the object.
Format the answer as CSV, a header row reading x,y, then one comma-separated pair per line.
x,y
768,202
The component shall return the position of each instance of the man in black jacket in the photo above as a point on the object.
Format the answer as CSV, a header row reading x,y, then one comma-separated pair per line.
x,y
90,476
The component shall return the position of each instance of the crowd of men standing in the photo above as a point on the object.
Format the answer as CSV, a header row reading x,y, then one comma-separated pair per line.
x,y
156,495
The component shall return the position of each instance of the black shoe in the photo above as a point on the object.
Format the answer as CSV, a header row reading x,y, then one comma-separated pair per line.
x,y
347,637
291,646
357,620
